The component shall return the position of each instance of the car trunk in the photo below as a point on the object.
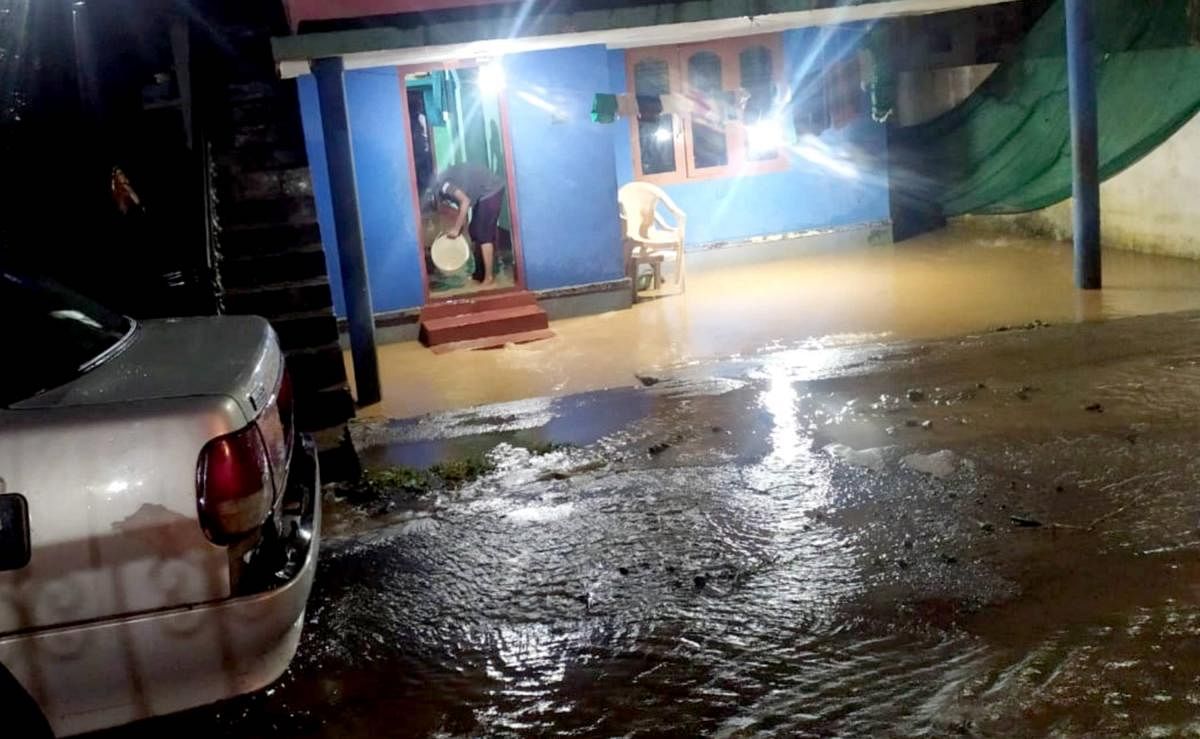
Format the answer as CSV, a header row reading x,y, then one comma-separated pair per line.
x,y
108,465
234,356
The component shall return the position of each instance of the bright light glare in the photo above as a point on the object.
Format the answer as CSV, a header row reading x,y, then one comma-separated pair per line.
x,y
817,152
765,135
662,133
491,78
74,315
539,102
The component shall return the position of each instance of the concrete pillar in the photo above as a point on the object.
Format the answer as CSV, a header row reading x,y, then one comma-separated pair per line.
x,y
1085,158
352,258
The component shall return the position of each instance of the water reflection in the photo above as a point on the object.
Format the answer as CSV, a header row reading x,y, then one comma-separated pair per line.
x,y
705,591
780,400
943,284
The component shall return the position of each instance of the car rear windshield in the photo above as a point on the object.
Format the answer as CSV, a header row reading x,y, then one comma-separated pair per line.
x,y
51,335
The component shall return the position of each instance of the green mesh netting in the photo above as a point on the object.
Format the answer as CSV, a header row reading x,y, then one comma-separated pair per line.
x,y
1007,148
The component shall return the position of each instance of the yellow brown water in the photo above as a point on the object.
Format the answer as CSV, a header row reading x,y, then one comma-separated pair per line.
x,y
991,535
944,284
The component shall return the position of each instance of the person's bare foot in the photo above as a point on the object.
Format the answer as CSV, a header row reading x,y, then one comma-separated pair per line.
x,y
488,282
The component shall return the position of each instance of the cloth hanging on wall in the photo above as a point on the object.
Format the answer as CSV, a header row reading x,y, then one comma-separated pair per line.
x,y
1007,148
726,105
879,77
604,108
649,107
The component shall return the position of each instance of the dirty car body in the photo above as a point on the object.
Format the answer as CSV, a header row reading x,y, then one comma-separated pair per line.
x,y
162,522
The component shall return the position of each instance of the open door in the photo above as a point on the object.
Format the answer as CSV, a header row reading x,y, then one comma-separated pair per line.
x,y
456,125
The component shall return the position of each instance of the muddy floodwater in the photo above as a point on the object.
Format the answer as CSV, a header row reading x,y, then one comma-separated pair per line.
x,y
991,535
939,285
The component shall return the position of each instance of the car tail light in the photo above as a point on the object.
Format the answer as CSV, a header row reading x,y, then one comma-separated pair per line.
x,y
233,485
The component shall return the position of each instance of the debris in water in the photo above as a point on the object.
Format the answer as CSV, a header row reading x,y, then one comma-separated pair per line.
x,y
912,423
547,447
872,459
914,395
379,484
700,581
623,570
659,448
1025,522
986,526
560,474
939,464
926,425
691,388
647,381
1094,408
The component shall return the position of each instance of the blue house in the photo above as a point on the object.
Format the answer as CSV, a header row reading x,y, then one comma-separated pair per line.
x,y
799,161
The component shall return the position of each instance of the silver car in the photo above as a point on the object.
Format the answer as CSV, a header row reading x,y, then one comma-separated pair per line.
x,y
158,511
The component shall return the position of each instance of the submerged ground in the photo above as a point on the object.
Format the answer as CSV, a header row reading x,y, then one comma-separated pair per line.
x,y
942,284
993,535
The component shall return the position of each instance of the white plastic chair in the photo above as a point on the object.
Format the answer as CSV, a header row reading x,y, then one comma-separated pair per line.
x,y
649,237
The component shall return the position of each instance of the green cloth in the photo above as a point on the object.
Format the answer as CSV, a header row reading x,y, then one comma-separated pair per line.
x,y
604,108
1007,148
882,84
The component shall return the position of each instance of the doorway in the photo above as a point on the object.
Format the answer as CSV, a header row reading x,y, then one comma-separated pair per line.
x,y
460,166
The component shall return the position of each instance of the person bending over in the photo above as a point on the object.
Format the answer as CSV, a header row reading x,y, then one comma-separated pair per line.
x,y
478,193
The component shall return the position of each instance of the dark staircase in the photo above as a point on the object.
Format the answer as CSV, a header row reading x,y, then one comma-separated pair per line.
x,y
269,255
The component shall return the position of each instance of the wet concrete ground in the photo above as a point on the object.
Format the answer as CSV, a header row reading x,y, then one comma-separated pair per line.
x,y
749,548
940,285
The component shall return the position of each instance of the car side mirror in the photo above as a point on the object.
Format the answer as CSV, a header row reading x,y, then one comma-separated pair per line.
x,y
14,531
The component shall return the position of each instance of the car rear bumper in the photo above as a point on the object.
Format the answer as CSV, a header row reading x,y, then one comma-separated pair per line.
x,y
110,672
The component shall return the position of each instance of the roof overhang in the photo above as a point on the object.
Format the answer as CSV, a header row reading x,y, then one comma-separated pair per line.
x,y
617,28
299,11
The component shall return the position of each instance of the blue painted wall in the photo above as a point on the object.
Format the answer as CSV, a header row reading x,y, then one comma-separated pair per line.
x,y
565,182
384,186
807,195
568,169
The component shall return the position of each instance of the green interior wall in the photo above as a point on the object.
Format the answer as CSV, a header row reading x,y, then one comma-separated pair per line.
x,y
471,129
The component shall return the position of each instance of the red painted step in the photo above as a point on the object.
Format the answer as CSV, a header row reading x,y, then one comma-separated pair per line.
x,y
459,307
481,319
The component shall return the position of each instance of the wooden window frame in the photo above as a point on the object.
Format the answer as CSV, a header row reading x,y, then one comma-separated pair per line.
x,y
676,56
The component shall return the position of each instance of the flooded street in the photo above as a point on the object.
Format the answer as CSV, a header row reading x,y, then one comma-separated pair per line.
x,y
942,284
993,535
